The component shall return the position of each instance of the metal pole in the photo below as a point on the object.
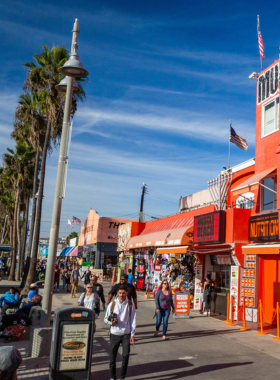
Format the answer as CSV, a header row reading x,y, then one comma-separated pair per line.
x,y
54,232
2,238
229,144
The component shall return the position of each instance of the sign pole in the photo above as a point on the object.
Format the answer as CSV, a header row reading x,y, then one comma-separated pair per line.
x,y
229,145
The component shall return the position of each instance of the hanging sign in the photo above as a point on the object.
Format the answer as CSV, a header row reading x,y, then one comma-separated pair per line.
x,y
234,284
98,273
198,290
264,227
210,228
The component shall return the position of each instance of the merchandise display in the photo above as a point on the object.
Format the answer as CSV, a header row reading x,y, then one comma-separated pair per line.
x,y
248,282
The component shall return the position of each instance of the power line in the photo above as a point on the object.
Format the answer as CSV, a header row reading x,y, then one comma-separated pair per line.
x,y
162,198
163,195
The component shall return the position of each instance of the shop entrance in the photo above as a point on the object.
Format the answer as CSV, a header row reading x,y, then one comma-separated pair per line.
x,y
269,285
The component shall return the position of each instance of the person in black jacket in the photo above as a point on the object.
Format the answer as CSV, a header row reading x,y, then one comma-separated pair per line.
x,y
131,292
98,288
87,276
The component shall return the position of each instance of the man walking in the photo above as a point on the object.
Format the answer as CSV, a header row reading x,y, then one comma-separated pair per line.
x,y
121,316
131,292
98,288
75,278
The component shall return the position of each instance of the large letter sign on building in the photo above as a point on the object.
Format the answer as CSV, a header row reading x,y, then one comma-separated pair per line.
x,y
268,83
210,228
264,227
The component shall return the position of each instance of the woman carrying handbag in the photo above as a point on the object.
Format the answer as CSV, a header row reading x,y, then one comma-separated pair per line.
x,y
164,303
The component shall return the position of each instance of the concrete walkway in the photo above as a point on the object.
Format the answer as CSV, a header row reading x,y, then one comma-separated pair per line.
x,y
199,348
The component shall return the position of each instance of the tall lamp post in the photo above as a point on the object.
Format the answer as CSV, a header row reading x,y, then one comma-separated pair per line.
x,y
72,68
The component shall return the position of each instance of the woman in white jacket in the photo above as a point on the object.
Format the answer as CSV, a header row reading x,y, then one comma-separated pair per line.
x,y
121,316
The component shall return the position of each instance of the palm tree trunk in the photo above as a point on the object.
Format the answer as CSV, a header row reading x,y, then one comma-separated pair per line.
x,y
33,215
34,251
24,235
11,234
18,235
14,243
22,245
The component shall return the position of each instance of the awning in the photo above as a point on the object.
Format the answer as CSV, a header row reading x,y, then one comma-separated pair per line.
x,y
161,251
261,249
65,251
5,248
212,250
254,179
177,236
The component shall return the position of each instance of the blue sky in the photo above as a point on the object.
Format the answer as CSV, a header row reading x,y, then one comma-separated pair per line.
x,y
164,80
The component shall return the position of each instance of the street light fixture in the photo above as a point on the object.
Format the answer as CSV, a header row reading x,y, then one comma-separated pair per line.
x,y
72,68
62,85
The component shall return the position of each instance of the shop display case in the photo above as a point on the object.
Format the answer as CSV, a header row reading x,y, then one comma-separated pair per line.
x,y
249,286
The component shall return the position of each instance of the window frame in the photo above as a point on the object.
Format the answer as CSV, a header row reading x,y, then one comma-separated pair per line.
x,y
274,176
263,116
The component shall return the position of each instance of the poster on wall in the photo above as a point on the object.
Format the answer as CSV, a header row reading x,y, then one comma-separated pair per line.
x,y
234,289
124,234
98,273
197,290
73,351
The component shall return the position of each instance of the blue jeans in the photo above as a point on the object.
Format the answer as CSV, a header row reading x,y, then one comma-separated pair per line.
x,y
64,282
163,315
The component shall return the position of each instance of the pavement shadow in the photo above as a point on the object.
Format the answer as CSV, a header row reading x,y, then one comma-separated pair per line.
x,y
164,369
184,335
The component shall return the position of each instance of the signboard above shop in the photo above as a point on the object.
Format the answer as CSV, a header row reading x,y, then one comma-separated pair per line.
x,y
210,228
264,227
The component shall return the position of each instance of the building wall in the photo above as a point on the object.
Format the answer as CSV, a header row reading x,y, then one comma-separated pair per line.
x,y
266,146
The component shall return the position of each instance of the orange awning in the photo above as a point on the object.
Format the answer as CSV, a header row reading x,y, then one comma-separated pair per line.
x,y
177,236
161,251
254,179
261,249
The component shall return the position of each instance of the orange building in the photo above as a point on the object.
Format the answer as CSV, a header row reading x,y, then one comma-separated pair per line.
x,y
235,221
101,235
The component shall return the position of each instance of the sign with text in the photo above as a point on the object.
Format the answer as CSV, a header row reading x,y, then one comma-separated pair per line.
x,y
210,228
182,304
264,227
73,351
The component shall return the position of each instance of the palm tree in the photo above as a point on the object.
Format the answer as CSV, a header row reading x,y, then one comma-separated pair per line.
x,y
18,164
30,125
44,77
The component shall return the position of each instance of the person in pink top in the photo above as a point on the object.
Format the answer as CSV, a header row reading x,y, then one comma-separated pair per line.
x,y
164,303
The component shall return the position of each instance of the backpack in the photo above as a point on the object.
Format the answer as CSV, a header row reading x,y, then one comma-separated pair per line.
x,y
96,309
114,304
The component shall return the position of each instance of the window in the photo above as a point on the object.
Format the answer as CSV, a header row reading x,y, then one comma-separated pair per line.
x,y
269,198
245,200
270,117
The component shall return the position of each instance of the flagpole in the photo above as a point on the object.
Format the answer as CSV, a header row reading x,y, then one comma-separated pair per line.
x,y
258,18
229,145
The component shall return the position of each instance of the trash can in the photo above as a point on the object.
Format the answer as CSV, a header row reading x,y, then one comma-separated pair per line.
x,y
71,347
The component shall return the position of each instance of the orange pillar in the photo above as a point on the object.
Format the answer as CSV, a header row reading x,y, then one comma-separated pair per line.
x,y
244,328
227,320
231,313
261,319
277,311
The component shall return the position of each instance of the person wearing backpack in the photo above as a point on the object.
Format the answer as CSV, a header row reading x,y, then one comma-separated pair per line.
x,y
89,299
121,316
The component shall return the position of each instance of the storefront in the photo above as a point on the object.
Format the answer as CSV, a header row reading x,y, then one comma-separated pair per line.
x,y
260,279
217,238
101,235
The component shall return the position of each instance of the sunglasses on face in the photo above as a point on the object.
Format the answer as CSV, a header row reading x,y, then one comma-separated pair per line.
x,y
89,287
164,283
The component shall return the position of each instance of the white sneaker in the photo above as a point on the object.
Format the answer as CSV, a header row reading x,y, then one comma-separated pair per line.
x,y
205,313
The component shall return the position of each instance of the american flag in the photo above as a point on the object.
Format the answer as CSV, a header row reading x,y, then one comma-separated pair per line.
x,y
260,40
237,140
69,223
76,221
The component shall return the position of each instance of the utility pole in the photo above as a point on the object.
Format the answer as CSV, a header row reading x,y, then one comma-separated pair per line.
x,y
141,215
72,68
